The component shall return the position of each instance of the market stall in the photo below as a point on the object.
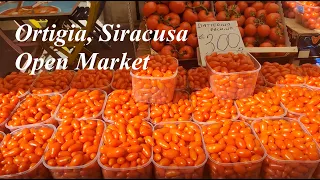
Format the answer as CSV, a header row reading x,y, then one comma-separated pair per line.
x,y
192,113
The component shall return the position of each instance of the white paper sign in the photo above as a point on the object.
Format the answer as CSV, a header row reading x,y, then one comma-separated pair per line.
x,y
218,36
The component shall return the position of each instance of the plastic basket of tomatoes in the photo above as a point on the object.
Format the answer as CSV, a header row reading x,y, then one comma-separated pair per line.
x,y
307,14
73,151
22,153
177,15
261,23
35,110
291,150
232,75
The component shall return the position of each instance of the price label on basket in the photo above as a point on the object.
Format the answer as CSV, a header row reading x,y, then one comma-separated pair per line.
x,y
218,36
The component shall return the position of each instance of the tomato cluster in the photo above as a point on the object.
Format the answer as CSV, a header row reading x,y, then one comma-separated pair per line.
x,y
208,107
308,14
75,145
127,150
259,23
232,143
275,73
22,151
231,75
177,15
121,107
198,78
16,83
289,9
157,83
34,110
178,151
286,141
49,82
122,79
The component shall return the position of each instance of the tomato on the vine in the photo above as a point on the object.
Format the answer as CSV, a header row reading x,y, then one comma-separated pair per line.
x,y
162,9
242,5
169,50
173,19
152,22
250,30
177,7
186,52
220,6
250,11
184,26
273,19
149,8
192,40
190,16
157,45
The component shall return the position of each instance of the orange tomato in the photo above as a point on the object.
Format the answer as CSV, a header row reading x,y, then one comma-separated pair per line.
x,y
157,83
178,145
313,82
121,107
22,150
231,85
122,79
35,109
275,73
85,79
127,145
284,139
261,105
56,81
76,143
198,78
7,104
81,104
178,110
208,107
181,78
16,83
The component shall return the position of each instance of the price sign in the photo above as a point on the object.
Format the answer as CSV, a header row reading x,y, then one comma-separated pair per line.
x,y
218,36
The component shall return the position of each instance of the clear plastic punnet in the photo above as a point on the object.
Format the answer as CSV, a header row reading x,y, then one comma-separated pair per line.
x,y
63,91
247,170
274,168
98,116
195,83
157,90
147,117
172,111
138,172
179,172
304,14
210,121
250,120
50,120
38,171
90,170
234,85
74,84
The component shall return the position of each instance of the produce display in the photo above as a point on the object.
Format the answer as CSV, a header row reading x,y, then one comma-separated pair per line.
x,y
299,99
289,9
121,107
177,15
198,78
34,110
49,82
274,73
260,23
127,150
85,79
232,76
81,104
181,79
234,150
286,142
208,107
261,105
157,83
17,83
22,151
121,79
7,104
173,111
178,151
307,14
72,153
